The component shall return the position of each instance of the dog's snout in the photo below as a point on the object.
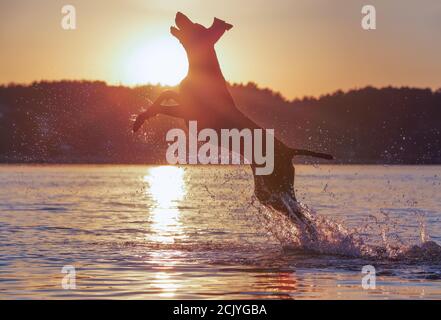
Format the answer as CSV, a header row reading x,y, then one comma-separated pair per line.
x,y
178,15
182,21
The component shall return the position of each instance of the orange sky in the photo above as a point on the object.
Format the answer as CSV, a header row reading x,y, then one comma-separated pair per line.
x,y
298,47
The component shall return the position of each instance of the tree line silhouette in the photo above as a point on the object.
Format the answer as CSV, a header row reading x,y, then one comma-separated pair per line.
x,y
89,122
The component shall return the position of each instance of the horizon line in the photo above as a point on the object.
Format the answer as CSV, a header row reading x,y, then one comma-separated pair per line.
x,y
232,84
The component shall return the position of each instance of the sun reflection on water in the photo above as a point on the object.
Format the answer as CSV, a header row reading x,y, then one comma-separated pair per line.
x,y
166,186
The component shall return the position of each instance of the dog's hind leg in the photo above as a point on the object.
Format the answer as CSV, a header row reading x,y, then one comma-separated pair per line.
x,y
299,216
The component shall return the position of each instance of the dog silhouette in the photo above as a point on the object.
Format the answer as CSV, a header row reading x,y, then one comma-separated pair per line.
x,y
203,96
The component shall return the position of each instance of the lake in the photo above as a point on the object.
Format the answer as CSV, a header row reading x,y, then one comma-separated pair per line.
x,y
193,232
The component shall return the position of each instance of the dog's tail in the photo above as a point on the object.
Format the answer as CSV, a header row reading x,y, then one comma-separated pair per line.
x,y
301,152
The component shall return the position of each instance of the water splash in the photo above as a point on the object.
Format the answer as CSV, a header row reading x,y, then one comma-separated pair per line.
x,y
321,235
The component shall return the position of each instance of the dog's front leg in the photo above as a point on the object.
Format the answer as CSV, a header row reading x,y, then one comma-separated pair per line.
x,y
176,111
155,108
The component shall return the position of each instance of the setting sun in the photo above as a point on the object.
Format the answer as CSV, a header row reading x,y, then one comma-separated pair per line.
x,y
161,60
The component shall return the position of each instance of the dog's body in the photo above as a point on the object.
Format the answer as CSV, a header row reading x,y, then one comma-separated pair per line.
x,y
203,96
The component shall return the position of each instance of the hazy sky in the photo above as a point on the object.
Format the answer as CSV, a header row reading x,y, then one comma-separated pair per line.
x,y
298,47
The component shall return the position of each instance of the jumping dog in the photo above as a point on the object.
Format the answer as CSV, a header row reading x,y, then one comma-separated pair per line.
x,y
203,96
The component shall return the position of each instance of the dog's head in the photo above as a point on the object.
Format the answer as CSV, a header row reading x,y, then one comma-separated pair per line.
x,y
194,35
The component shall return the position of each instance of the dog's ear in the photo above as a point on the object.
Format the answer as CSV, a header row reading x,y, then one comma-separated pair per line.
x,y
218,28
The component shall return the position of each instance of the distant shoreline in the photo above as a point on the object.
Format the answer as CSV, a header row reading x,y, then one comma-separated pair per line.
x,y
90,123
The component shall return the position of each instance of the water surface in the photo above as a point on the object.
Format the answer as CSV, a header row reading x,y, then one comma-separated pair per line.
x,y
146,232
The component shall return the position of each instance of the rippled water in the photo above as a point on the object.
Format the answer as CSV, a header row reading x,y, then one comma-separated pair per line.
x,y
149,232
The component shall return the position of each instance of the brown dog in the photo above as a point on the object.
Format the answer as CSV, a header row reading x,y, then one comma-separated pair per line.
x,y
203,96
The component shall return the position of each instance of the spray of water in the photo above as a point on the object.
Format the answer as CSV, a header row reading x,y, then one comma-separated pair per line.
x,y
321,235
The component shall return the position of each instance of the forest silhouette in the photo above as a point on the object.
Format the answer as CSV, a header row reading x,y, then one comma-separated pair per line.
x,y
90,122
